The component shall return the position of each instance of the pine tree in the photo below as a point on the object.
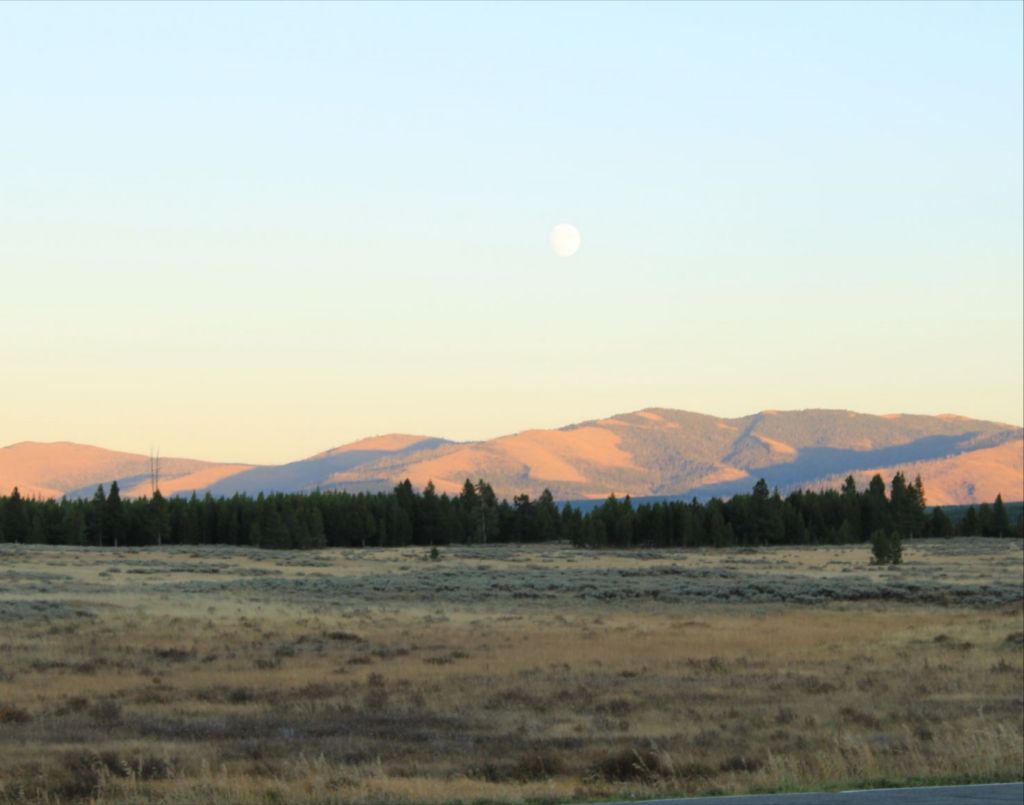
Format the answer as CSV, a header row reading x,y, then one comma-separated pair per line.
x,y
317,536
428,525
939,524
369,529
72,527
96,518
115,518
399,526
916,507
159,520
718,535
622,532
1000,520
274,531
851,506
547,520
969,526
901,500
486,516
469,509
228,523
877,509
695,526
256,533
37,531
522,525
193,520
985,520
796,528
766,514
208,519
297,527
15,524
405,499
572,525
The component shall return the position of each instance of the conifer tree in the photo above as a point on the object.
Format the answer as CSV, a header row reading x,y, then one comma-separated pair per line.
x,y
939,524
547,519
114,515
985,520
901,504
428,525
72,527
274,531
37,531
876,514
716,526
916,508
15,525
97,517
1000,520
486,517
159,520
969,524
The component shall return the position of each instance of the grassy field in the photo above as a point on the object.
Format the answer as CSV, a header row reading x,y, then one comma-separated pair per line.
x,y
504,673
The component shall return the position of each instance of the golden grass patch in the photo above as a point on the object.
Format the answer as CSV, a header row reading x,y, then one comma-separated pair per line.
x,y
501,673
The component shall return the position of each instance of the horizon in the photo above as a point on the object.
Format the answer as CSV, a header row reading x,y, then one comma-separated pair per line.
x,y
248,232
367,437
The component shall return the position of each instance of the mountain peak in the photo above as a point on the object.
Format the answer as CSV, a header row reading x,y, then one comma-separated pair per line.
x,y
650,452
385,443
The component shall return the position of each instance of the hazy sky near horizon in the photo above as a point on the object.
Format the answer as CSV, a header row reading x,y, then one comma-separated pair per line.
x,y
255,231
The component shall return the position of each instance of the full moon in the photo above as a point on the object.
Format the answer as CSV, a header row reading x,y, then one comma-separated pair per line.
x,y
565,240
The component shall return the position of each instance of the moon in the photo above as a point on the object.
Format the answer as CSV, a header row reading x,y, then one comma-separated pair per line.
x,y
565,240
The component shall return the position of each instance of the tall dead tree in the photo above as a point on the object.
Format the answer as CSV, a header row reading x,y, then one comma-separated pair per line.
x,y
156,499
154,471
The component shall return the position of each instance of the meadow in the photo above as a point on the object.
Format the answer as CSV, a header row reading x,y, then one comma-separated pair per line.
x,y
504,673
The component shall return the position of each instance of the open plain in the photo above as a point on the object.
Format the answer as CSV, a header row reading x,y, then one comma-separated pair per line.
x,y
504,673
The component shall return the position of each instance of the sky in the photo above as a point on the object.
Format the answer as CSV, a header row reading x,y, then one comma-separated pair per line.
x,y
256,231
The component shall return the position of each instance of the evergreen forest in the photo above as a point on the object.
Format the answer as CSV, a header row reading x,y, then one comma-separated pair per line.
x,y
407,517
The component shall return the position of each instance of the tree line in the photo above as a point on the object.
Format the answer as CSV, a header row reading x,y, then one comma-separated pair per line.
x,y
475,515
986,520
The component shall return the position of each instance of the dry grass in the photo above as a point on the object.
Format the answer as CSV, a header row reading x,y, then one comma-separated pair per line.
x,y
223,676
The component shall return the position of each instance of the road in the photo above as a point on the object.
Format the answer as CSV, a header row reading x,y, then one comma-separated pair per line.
x,y
995,793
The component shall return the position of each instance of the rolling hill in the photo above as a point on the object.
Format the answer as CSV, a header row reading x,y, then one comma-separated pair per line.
x,y
57,469
655,452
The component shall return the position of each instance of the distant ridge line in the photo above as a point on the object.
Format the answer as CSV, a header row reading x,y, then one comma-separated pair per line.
x,y
652,453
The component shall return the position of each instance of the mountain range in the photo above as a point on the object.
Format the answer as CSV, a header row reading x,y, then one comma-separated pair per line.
x,y
655,452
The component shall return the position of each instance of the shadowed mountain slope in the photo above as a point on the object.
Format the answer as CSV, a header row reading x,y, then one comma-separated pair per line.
x,y
319,470
656,452
664,453
973,477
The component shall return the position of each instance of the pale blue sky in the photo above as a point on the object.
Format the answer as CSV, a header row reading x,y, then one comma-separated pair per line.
x,y
256,231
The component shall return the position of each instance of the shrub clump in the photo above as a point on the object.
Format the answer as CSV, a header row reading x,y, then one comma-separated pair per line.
x,y
82,773
629,765
9,714
886,548
541,765
376,698
106,712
